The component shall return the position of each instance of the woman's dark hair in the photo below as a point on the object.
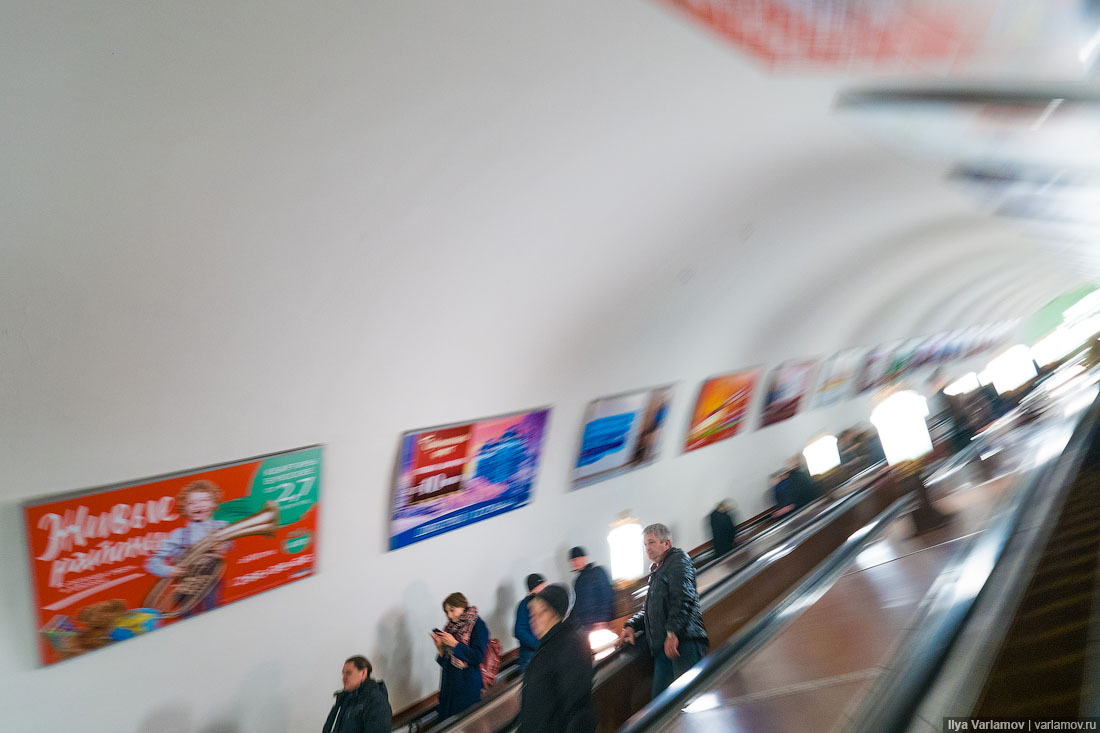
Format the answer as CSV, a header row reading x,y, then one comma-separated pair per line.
x,y
456,600
360,663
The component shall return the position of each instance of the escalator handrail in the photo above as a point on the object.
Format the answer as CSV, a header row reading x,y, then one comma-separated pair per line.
x,y
864,475
759,564
736,577
752,638
897,698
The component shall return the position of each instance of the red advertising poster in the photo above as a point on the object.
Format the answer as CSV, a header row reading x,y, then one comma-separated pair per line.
x,y
116,562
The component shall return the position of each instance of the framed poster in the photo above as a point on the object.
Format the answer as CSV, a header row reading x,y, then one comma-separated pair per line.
x,y
112,563
620,433
721,408
788,385
836,376
875,369
906,358
455,475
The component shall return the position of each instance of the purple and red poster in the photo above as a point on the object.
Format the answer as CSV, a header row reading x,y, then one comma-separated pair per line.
x,y
454,475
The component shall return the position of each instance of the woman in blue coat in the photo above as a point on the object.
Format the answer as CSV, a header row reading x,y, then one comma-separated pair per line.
x,y
460,647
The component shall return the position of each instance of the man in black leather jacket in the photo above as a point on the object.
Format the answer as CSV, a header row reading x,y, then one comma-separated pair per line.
x,y
672,618
363,706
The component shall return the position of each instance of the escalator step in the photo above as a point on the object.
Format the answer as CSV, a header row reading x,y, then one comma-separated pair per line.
x,y
1057,568
1032,613
1049,634
1047,666
1040,665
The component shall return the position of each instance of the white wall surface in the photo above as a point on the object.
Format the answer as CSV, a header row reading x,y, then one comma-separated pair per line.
x,y
232,228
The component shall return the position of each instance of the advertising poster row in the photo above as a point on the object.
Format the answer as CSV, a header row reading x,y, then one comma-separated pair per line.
x,y
112,563
451,476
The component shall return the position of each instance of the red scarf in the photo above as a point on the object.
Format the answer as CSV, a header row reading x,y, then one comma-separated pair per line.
x,y
461,631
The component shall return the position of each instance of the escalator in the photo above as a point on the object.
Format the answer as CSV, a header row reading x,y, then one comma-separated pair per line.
x,y
733,589
755,537
1040,668
739,590
841,652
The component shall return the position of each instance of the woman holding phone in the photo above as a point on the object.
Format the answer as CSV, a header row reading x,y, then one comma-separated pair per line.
x,y
460,646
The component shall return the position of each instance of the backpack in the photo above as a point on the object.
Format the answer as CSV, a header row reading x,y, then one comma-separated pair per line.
x,y
490,664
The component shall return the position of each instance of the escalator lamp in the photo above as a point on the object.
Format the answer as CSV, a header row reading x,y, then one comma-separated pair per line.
x,y
822,455
625,541
965,384
1012,369
902,428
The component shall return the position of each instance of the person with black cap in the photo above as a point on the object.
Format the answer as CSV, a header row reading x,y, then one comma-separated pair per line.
x,y
595,599
557,687
528,642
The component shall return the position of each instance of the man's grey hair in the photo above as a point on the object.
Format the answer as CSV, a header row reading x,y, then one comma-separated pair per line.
x,y
660,531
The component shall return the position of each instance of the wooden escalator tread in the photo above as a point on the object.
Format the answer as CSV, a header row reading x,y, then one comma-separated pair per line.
x,y
1039,669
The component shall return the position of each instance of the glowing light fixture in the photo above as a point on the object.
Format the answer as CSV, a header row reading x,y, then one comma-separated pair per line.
x,y
1012,369
625,540
1054,346
965,384
822,455
602,642
900,422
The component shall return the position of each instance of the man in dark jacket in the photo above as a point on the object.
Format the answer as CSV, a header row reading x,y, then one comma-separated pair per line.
x,y
363,706
723,528
803,488
594,603
557,687
528,642
672,618
793,487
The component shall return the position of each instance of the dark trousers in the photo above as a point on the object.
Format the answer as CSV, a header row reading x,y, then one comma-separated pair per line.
x,y
665,670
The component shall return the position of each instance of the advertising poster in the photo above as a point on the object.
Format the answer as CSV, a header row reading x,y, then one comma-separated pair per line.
x,y
451,476
721,408
836,377
906,358
113,563
875,370
934,350
788,385
620,433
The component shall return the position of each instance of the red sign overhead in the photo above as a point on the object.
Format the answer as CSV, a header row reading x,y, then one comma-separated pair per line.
x,y
839,32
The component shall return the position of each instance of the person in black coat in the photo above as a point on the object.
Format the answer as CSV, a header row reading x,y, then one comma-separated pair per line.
x,y
803,488
363,706
459,647
594,602
672,618
557,687
723,528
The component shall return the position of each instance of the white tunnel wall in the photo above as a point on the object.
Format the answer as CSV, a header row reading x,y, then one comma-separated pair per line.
x,y
231,230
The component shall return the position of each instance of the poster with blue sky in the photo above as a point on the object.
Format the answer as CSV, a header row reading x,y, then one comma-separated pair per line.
x,y
620,433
